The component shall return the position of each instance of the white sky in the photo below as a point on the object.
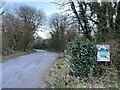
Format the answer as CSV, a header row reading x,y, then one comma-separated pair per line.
x,y
48,7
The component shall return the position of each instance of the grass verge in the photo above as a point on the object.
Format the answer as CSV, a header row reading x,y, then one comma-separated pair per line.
x,y
15,54
60,79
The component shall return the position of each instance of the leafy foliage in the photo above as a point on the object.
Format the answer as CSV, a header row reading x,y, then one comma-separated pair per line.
x,y
83,53
108,80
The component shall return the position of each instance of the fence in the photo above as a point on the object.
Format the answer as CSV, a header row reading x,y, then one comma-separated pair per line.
x,y
67,64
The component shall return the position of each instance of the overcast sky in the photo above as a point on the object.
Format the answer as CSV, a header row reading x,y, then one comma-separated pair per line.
x,y
48,7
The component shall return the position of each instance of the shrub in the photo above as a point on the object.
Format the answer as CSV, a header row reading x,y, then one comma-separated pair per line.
x,y
40,46
83,57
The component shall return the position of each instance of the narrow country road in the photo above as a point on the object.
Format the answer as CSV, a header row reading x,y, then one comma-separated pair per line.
x,y
28,71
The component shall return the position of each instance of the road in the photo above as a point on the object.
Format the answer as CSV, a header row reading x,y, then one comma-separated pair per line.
x,y
28,71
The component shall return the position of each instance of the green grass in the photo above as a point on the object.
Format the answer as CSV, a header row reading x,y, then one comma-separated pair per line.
x,y
15,54
108,80
57,76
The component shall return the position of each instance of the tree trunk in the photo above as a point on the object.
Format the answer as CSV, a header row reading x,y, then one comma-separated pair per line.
x,y
118,39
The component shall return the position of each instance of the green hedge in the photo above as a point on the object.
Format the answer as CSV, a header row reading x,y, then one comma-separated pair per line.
x,y
83,53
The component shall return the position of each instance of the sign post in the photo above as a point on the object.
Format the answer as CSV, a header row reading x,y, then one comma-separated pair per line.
x,y
103,53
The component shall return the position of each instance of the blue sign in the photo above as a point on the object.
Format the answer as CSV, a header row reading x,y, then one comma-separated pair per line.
x,y
103,53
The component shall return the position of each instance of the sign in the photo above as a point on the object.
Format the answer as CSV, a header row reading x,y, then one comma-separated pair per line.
x,y
103,53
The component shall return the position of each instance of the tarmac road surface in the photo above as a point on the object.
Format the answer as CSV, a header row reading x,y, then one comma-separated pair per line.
x,y
28,71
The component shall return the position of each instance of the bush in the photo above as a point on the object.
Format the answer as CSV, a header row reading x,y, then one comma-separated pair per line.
x,y
59,71
83,53
40,46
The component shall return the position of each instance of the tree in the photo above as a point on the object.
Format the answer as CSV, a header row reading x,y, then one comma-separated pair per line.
x,y
118,37
81,12
70,35
118,23
97,18
32,19
19,27
2,11
105,14
9,30
58,24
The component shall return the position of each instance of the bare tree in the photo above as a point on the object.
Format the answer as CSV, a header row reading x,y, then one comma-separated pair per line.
x,y
58,24
12,33
80,16
2,11
32,19
19,27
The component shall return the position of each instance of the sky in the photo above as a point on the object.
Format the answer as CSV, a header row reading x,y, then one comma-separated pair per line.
x,y
48,7
30,0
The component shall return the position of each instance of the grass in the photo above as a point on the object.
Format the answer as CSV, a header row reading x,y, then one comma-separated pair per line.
x,y
108,80
15,54
57,75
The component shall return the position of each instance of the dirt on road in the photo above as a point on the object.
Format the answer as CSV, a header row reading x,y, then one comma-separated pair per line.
x,y
28,71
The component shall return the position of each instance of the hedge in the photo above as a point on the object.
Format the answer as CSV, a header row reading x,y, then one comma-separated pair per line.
x,y
83,53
